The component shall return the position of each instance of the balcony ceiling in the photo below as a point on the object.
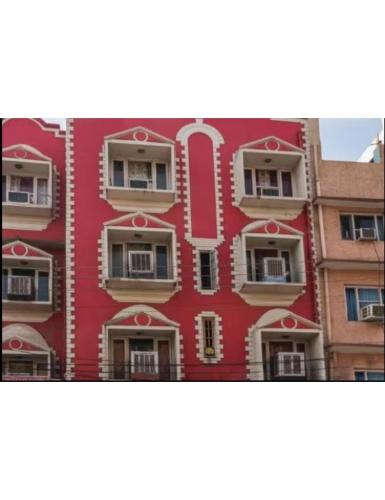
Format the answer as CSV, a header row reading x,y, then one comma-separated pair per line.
x,y
128,235
261,240
35,168
162,153
285,159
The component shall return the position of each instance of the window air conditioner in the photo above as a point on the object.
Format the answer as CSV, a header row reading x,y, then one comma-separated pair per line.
x,y
373,312
289,364
274,269
367,233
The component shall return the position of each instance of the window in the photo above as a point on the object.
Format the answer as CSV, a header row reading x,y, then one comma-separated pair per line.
x,y
161,176
42,192
137,174
161,262
20,367
4,288
22,189
43,287
207,262
351,224
118,173
117,261
208,337
268,182
4,188
357,298
364,376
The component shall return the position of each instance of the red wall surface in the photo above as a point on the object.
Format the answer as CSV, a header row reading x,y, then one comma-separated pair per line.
x,y
52,240
94,306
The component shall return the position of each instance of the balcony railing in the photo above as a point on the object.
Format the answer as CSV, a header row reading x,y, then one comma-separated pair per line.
x,y
144,362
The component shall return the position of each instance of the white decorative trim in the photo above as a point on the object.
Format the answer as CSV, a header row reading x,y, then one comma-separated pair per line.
x,y
218,337
280,225
69,257
27,149
27,246
123,218
136,129
271,138
183,136
196,270
310,214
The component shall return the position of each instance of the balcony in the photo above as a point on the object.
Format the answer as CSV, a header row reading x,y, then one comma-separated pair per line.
x,y
27,187
137,355
27,289
270,269
140,264
270,183
139,175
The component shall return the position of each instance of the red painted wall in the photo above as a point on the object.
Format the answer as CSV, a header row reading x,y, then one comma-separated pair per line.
x,y
52,240
94,306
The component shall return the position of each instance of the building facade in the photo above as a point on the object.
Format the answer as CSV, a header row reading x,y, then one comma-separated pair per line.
x,y
179,249
349,220
33,250
189,251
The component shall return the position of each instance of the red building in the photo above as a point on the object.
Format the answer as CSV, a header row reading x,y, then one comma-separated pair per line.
x,y
189,249
33,202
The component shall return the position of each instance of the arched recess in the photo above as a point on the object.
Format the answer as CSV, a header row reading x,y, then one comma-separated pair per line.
x,y
200,149
25,349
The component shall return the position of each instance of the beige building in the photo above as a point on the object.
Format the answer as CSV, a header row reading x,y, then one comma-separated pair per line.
x,y
349,222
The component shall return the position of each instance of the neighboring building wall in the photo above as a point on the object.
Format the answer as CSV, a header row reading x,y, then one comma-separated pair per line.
x,y
94,308
347,188
49,140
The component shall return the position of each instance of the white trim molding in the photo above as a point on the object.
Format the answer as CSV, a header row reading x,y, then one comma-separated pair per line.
x,y
46,127
183,136
218,337
70,251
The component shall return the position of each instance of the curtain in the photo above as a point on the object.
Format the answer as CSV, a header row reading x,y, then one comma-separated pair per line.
x,y
351,304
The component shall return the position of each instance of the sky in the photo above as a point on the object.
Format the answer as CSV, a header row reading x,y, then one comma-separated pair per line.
x,y
341,138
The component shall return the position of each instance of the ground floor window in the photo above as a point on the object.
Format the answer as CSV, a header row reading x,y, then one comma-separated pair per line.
x,y
28,366
369,376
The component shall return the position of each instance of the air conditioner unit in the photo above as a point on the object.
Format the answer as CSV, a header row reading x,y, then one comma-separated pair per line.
x,y
373,312
140,183
20,196
263,191
274,269
367,233
289,364
140,261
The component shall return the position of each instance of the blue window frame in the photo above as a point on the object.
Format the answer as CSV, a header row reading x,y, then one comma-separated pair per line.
x,y
357,298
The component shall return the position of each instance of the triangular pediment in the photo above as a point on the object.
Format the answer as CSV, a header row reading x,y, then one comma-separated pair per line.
x,y
140,135
20,249
141,316
270,227
19,337
272,143
139,220
24,152
285,320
